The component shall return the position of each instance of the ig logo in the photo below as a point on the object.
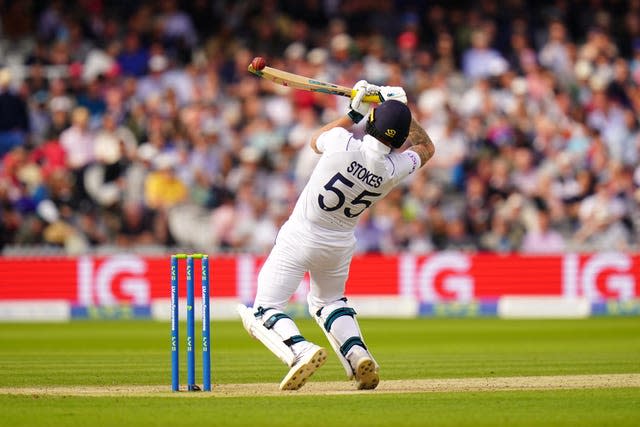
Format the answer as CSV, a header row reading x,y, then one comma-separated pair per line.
x,y
96,283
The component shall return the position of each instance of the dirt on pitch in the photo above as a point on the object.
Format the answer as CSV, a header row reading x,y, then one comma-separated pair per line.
x,y
556,382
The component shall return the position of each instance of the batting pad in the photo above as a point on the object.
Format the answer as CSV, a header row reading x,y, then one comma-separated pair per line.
x,y
336,347
268,337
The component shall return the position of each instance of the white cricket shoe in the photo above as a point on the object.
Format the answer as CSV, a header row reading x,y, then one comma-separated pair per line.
x,y
364,368
306,363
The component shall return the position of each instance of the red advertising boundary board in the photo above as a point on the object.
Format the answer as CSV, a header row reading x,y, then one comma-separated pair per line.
x,y
449,276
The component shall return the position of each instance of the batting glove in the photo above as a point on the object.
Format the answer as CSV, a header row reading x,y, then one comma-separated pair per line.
x,y
357,108
393,92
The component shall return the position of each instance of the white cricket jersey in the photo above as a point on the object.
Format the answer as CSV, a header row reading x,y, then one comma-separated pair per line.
x,y
350,176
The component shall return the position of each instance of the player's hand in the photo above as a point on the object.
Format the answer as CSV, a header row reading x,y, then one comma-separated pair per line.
x,y
393,92
357,108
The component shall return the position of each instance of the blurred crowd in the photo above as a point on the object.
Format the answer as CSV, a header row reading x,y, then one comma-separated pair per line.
x,y
128,125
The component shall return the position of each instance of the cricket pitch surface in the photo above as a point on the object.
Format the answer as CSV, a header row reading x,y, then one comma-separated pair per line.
x,y
554,382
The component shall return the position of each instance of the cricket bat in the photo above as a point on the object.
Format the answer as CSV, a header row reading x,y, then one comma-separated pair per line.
x,y
297,81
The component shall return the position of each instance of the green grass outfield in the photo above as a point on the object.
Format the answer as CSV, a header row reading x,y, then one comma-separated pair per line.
x,y
53,374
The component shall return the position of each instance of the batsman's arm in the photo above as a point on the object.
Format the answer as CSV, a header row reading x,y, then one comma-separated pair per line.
x,y
420,142
343,122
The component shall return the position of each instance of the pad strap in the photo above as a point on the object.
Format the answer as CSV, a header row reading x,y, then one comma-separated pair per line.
x,y
319,312
344,348
341,311
293,340
260,311
273,319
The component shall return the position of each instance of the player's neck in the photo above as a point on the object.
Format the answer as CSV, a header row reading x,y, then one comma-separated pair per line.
x,y
373,144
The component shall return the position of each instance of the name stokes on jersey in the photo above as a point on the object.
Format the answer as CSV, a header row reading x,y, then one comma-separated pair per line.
x,y
364,175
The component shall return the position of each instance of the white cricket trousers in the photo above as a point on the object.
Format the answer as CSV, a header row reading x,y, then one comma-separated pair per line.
x,y
291,257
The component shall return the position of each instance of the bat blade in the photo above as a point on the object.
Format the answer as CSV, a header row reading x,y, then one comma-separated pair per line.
x,y
297,81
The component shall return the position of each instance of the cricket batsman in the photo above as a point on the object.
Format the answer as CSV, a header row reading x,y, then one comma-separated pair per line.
x,y
318,237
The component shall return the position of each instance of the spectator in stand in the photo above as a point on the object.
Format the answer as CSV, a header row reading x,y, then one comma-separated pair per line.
x,y
50,157
478,210
556,53
60,108
104,180
480,60
134,57
176,26
540,237
78,140
163,189
93,100
452,149
14,119
418,237
298,137
78,143
498,238
525,173
458,238
152,86
135,226
600,217
368,234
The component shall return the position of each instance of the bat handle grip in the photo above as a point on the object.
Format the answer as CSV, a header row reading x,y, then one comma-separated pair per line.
x,y
375,98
